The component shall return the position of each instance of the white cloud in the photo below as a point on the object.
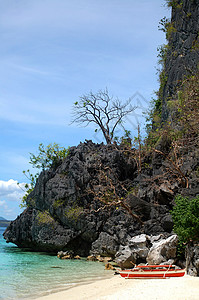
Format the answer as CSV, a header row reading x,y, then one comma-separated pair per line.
x,y
10,197
11,190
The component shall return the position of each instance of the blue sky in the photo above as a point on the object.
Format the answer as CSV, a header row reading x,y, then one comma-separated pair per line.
x,y
52,52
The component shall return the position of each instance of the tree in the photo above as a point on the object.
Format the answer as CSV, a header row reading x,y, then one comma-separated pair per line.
x,y
48,157
185,216
102,110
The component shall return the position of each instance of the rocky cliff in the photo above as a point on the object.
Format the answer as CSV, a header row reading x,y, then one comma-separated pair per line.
x,y
64,214
182,52
96,201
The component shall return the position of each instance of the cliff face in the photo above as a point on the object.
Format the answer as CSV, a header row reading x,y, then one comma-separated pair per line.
x,y
64,214
182,57
69,209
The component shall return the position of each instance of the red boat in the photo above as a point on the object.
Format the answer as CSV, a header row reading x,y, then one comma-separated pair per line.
x,y
153,271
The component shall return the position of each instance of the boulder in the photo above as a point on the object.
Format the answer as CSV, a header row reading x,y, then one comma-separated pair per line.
x,y
109,266
65,255
77,257
91,258
135,252
138,246
162,250
105,245
192,259
125,258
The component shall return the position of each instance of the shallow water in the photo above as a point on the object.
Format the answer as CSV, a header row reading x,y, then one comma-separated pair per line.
x,y
25,275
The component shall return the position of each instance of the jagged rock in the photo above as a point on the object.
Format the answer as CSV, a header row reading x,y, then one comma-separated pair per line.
x,y
182,57
109,267
91,258
65,255
134,252
63,213
105,245
138,246
192,259
167,223
125,258
104,259
162,250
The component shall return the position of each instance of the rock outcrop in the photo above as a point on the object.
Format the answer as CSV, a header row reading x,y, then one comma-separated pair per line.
x,y
68,209
151,249
183,48
64,214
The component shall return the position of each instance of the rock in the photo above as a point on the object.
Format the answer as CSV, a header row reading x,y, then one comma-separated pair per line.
x,y
192,259
138,246
104,259
125,258
65,255
77,257
105,245
109,267
167,223
91,258
162,250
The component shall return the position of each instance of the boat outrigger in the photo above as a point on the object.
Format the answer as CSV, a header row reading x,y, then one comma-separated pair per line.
x,y
153,271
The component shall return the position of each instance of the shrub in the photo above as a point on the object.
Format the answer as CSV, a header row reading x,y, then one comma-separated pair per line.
x,y
186,218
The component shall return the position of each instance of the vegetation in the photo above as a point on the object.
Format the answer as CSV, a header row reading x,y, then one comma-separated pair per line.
x,y
174,3
43,217
102,110
186,218
73,213
48,157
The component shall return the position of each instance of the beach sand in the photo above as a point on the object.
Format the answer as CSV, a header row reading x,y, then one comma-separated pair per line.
x,y
118,288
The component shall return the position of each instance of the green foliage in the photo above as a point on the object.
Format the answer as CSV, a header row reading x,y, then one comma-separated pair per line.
x,y
125,139
186,218
162,54
133,190
174,3
58,203
73,213
167,26
44,218
181,250
49,156
28,188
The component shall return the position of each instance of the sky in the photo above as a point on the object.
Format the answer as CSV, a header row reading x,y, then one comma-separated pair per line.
x,y
54,51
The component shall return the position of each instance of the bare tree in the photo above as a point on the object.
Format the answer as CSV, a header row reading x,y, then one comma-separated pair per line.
x,y
102,110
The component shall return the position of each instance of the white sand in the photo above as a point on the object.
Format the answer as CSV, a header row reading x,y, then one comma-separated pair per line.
x,y
118,288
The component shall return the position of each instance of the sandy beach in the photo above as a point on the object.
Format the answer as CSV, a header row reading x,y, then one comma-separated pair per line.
x,y
117,288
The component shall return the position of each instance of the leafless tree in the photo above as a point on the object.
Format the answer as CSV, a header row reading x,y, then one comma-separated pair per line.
x,y
104,111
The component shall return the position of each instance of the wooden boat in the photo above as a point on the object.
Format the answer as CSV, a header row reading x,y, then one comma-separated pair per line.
x,y
153,271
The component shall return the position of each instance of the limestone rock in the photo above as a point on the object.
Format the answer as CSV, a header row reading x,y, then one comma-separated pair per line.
x,y
125,258
192,259
162,250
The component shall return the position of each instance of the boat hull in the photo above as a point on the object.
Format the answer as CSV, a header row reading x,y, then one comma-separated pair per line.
x,y
152,273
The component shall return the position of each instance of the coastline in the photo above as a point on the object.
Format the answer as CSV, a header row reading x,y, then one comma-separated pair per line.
x,y
117,288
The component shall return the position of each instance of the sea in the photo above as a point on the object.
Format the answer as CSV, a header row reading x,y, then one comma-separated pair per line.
x,y
29,275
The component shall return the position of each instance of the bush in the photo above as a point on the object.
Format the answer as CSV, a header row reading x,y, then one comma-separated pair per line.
x,y
186,218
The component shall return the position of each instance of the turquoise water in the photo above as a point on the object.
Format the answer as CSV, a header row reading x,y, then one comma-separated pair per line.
x,y
26,275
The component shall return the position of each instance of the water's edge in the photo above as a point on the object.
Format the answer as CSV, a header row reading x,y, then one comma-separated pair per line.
x,y
30,275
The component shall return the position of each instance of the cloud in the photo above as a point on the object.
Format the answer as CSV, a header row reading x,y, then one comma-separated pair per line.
x,y
10,197
11,190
